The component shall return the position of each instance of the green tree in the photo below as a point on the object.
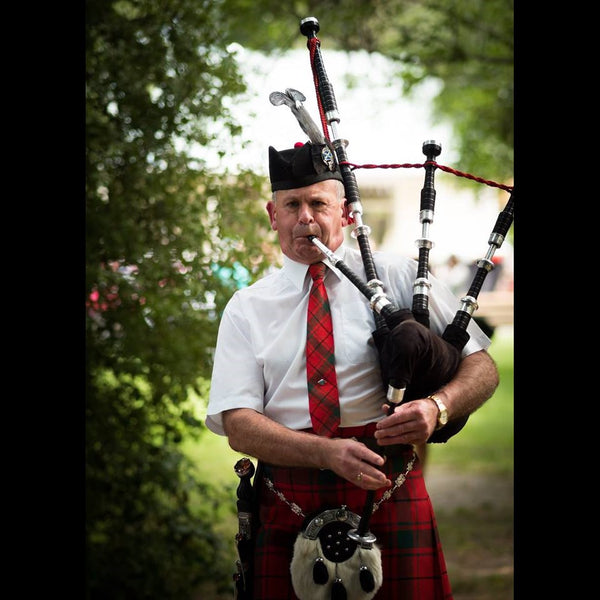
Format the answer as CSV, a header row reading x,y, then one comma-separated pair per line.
x,y
162,235
468,45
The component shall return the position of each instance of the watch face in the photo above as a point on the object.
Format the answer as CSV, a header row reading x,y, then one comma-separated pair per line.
x,y
443,418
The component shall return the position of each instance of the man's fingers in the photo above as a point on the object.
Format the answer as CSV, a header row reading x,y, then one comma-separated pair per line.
x,y
370,480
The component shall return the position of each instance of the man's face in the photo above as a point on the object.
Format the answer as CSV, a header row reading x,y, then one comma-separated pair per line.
x,y
316,209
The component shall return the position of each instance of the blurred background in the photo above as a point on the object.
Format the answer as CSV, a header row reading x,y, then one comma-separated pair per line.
x,y
178,125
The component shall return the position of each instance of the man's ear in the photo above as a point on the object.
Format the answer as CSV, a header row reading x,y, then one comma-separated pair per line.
x,y
270,206
346,218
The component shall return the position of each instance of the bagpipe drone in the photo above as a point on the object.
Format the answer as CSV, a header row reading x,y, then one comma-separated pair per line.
x,y
415,362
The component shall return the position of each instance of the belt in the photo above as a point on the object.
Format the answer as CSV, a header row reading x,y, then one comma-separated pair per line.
x,y
391,451
365,434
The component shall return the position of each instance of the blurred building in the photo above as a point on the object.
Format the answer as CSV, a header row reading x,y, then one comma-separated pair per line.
x,y
464,217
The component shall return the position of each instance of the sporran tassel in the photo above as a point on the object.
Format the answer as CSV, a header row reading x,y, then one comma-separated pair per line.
x,y
367,581
338,591
320,574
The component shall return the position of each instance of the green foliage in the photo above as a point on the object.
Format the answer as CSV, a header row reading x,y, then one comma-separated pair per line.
x,y
160,228
144,539
466,44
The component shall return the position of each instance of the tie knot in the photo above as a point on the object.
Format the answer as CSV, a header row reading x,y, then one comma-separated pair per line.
x,y
317,270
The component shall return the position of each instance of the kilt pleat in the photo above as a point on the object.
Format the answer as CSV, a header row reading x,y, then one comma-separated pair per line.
x,y
413,562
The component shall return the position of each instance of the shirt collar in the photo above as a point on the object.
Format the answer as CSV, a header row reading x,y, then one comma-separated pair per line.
x,y
296,272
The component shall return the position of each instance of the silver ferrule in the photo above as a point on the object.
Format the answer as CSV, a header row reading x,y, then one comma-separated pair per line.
x,y
469,305
379,298
355,211
378,301
424,243
361,230
375,285
421,286
485,263
496,238
395,395
337,141
426,216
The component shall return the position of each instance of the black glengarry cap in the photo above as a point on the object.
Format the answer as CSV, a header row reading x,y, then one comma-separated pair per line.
x,y
302,165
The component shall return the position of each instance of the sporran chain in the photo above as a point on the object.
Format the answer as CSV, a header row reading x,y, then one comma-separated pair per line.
x,y
386,496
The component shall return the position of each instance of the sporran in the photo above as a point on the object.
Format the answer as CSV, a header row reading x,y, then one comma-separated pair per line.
x,y
330,560
328,565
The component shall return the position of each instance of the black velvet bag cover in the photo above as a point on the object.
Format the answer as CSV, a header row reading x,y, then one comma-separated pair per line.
x,y
414,357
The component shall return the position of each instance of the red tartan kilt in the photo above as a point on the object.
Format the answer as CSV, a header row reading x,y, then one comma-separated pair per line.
x,y
404,525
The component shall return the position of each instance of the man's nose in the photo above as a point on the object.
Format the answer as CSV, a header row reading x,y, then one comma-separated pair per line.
x,y
305,214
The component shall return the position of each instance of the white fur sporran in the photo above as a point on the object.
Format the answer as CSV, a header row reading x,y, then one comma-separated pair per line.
x,y
328,565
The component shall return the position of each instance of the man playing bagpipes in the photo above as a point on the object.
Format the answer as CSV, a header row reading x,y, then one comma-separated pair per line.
x,y
314,412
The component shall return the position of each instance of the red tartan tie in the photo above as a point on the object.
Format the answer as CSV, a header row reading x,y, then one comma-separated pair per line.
x,y
320,360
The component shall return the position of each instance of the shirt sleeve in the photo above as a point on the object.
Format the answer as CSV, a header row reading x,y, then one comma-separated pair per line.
x,y
237,379
443,304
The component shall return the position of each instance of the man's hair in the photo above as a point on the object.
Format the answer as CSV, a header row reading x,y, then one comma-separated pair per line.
x,y
341,191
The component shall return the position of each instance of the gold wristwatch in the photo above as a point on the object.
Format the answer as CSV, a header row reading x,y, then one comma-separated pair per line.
x,y
443,414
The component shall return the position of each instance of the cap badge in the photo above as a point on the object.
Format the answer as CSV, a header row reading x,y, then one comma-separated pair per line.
x,y
327,158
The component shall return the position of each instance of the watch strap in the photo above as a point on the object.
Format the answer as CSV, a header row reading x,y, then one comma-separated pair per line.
x,y
443,411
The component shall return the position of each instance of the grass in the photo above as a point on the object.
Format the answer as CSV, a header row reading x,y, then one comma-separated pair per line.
x,y
478,541
485,445
478,545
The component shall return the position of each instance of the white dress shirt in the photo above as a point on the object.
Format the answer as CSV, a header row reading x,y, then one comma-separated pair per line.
x,y
260,360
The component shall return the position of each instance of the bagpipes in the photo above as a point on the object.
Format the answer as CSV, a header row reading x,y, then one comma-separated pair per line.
x,y
415,362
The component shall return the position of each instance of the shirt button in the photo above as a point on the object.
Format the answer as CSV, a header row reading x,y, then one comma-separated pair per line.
x,y
321,382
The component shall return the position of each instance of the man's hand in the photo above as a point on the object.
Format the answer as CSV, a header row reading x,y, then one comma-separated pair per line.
x,y
410,423
255,434
353,461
